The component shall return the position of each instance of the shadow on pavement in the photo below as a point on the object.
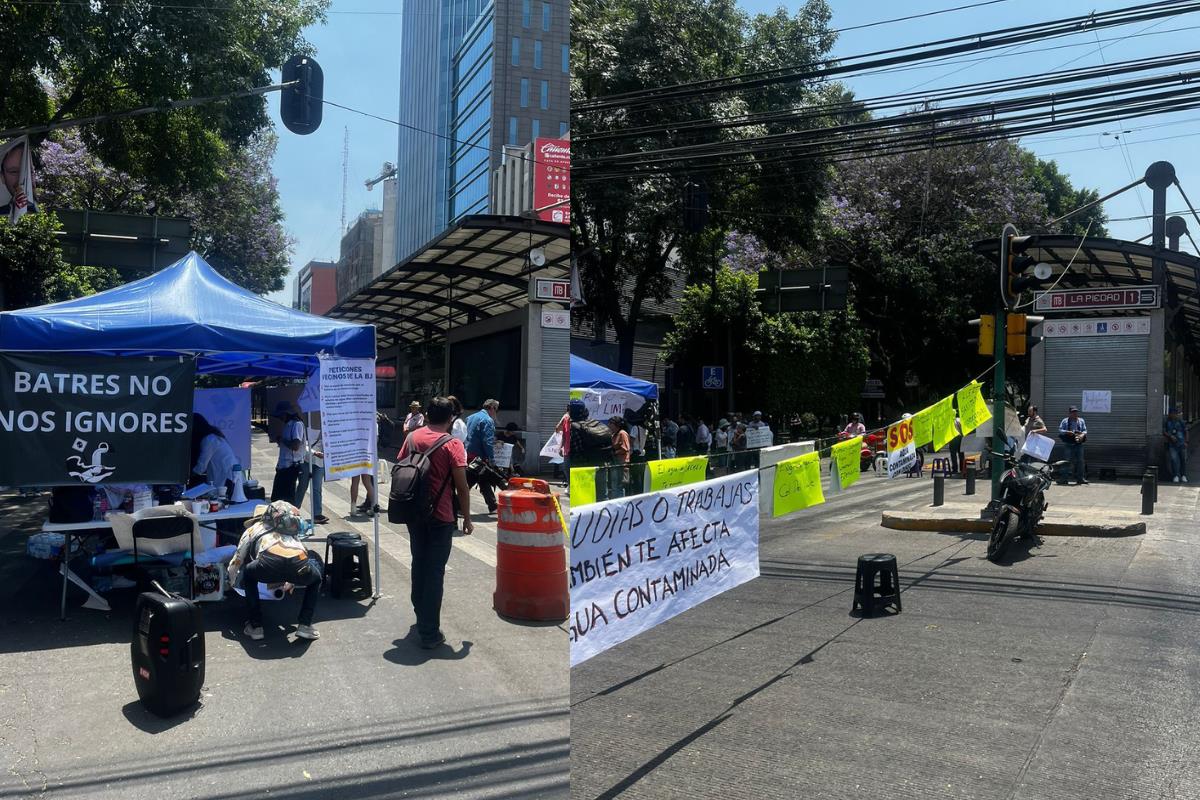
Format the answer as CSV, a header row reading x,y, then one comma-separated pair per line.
x,y
407,653
144,721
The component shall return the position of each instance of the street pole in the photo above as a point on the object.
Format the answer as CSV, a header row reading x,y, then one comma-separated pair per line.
x,y
999,437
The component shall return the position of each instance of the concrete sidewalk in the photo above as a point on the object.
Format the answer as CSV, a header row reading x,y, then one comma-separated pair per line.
x,y
362,713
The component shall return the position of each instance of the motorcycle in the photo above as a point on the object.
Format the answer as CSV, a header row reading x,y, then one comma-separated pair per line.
x,y
1022,502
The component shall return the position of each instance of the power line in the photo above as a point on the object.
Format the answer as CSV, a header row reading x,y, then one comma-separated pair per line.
x,y
899,55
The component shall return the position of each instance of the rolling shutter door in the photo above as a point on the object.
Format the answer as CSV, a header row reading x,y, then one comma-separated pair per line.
x,y
1119,364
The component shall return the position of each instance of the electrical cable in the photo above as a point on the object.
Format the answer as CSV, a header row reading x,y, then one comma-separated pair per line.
x,y
1066,269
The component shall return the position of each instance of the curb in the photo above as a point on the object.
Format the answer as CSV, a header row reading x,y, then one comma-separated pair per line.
x,y
913,521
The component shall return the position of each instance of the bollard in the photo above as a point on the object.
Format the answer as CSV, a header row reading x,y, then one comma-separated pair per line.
x,y
970,481
1148,493
1154,475
939,490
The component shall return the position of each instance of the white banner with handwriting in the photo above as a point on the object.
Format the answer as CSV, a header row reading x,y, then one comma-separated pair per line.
x,y
638,561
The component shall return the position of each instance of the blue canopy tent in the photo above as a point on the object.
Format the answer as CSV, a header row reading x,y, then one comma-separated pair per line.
x,y
586,375
190,310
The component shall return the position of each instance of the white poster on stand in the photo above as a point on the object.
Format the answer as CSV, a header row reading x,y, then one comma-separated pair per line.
x,y
1097,401
229,410
638,561
348,424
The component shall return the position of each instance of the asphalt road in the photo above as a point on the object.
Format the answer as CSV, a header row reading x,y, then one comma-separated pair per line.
x,y
1069,672
360,713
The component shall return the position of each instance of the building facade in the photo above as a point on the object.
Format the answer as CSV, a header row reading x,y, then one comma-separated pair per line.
x,y
481,74
316,287
361,260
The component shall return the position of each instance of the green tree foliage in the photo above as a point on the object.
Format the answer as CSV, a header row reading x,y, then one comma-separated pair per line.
x,y
63,60
628,228
34,269
785,363
1062,198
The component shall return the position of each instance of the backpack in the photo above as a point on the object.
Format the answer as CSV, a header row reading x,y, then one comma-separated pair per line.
x,y
590,437
410,500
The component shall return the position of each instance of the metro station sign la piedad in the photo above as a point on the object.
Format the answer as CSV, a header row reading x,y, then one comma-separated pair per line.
x,y
552,180
1075,300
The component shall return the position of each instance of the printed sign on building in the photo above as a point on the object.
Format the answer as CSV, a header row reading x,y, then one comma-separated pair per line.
x,y
1077,299
552,180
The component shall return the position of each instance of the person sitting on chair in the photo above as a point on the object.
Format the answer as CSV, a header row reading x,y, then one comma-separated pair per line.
x,y
270,552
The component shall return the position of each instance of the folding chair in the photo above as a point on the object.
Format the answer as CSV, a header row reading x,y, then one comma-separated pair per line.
x,y
168,528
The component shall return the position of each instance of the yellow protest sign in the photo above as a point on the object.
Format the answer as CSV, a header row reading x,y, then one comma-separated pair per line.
x,y
847,460
670,472
972,411
923,426
943,422
798,484
583,486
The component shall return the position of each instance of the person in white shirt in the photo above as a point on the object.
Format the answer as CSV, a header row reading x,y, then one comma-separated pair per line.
x,y
458,428
212,455
415,418
721,444
293,449
703,437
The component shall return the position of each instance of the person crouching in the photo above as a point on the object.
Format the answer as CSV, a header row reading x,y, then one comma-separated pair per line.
x,y
270,552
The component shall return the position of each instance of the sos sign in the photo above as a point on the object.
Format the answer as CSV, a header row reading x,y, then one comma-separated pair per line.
x,y
900,435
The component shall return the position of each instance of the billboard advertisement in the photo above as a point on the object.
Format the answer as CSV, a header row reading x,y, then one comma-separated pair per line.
x,y
552,180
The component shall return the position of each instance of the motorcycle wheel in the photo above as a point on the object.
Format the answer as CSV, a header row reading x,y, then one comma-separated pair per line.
x,y
1003,530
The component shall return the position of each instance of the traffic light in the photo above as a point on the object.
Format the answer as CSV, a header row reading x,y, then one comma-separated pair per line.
x,y
300,106
1019,342
987,334
1015,277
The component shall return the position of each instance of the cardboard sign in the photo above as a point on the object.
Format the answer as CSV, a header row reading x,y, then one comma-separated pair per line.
x,y
583,487
972,410
502,455
668,473
759,437
902,453
1096,402
798,484
637,561
847,459
1038,446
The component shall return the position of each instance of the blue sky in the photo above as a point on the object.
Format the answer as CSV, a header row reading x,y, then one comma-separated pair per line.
x,y
358,52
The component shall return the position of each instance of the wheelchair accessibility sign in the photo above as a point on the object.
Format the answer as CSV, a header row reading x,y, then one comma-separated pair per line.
x,y
713,377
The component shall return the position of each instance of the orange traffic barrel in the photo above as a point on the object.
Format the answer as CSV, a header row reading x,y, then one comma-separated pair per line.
x,y
531,554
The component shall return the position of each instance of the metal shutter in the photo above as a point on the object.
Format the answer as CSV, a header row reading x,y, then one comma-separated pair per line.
x,y
556,379
1118,364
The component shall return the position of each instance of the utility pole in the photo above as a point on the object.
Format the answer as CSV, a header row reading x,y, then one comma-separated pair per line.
x,y
999,436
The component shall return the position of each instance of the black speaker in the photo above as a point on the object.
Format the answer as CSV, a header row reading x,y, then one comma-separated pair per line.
x,y
167,652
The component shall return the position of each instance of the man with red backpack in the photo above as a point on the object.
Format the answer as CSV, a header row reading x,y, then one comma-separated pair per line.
x,y
429,472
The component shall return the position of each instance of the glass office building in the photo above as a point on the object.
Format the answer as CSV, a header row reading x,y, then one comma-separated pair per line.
x,y
474,75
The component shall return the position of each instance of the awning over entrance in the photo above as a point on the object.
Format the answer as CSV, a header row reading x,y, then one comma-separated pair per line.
x,y
1115,262
477,269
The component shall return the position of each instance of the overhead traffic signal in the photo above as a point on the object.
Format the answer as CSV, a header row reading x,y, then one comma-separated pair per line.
x,y
300,105
987,334
1019,342
1018,271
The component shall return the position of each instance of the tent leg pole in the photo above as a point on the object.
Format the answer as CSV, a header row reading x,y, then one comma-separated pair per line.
x,y
375,519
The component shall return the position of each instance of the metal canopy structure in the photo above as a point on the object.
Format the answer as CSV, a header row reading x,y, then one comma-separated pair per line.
x,y
1116,262
477,269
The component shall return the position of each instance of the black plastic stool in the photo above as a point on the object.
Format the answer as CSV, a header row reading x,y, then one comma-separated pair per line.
x,y
350,571
872,597
346,536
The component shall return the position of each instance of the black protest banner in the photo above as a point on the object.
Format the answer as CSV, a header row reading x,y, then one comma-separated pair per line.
x,y
71,420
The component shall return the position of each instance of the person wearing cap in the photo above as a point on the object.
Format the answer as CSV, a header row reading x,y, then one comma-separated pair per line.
x,y
1073,433
481,443
1175,432
271,552
756,421
293,451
